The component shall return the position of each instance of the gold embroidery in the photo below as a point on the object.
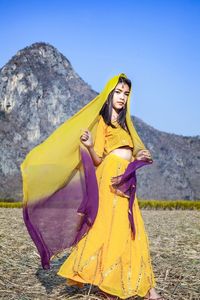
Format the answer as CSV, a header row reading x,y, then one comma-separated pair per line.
x,y
100,178
130,266
101,175
94,277
112,218
90,259
78,265
149,259
121,272
101,264
75,259
110,269
140,274
137,228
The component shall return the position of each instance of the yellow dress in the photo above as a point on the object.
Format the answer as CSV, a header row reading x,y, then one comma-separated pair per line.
x,y
107,256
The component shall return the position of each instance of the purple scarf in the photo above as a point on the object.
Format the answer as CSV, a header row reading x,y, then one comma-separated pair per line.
x,y
125,185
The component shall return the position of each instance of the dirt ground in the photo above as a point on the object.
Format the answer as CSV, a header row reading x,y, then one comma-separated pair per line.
x,y
174,238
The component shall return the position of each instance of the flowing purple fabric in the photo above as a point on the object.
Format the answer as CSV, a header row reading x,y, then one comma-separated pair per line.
x,y
59,221
54,223
90,202
125,185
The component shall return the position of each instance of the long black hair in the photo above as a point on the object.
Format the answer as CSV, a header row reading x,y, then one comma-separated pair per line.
x,y
106,109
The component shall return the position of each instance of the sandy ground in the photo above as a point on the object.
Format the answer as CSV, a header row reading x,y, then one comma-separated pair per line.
x,y
174,238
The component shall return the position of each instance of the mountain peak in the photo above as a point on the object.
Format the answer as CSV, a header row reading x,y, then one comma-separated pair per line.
x,y
37,53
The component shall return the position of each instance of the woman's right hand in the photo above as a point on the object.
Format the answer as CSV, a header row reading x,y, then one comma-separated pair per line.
x,y
86,139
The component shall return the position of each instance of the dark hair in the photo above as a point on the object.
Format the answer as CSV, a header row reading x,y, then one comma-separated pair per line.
x,y
106,109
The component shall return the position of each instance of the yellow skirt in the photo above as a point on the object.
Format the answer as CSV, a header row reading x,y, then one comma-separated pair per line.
x,y
107,256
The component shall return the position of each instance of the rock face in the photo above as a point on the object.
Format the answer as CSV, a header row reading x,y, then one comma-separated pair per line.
x,y
39,90
175,172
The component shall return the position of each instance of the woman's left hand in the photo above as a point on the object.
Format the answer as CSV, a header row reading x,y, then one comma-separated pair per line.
x,y
143,155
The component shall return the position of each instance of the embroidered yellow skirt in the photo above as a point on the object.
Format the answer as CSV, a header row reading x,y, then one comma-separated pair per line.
x,y
107,256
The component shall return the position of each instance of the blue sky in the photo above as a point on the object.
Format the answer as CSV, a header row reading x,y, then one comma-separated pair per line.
x,y
156,43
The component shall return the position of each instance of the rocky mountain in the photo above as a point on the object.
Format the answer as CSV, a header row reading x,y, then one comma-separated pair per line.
x,y
39,90
175,172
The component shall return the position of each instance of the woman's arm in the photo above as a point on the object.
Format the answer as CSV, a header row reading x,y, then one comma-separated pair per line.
x,y
96,159
95,149
86,140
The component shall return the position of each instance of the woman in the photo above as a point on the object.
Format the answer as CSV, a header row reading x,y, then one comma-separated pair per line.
x,y
80,195
108,256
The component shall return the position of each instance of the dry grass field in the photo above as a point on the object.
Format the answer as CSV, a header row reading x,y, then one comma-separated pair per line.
x,y
174,238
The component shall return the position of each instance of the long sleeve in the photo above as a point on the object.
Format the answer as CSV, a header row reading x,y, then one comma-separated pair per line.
x,y
99,141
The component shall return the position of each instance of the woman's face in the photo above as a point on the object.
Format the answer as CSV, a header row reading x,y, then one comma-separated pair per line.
x,y
120,95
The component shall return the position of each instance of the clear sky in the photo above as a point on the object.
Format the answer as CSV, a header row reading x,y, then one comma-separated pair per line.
x,y
156,43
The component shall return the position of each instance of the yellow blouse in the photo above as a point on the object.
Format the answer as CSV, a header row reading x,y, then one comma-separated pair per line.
x,y
108,138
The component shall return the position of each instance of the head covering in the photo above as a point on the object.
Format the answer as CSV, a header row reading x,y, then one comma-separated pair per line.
x,y
55,181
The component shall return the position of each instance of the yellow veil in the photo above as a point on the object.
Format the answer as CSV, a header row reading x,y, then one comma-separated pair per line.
x,y
52,164
49,159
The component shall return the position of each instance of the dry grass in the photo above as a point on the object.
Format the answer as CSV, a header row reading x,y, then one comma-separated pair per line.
x,y
174,238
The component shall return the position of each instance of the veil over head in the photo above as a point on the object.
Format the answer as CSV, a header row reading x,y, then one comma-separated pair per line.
x,y
56,189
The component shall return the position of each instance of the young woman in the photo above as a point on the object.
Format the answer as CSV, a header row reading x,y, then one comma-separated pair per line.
x,y
87,203
108,256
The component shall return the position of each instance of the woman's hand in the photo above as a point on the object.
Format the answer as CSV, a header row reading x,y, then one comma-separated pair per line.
x,y
86,139
143,155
